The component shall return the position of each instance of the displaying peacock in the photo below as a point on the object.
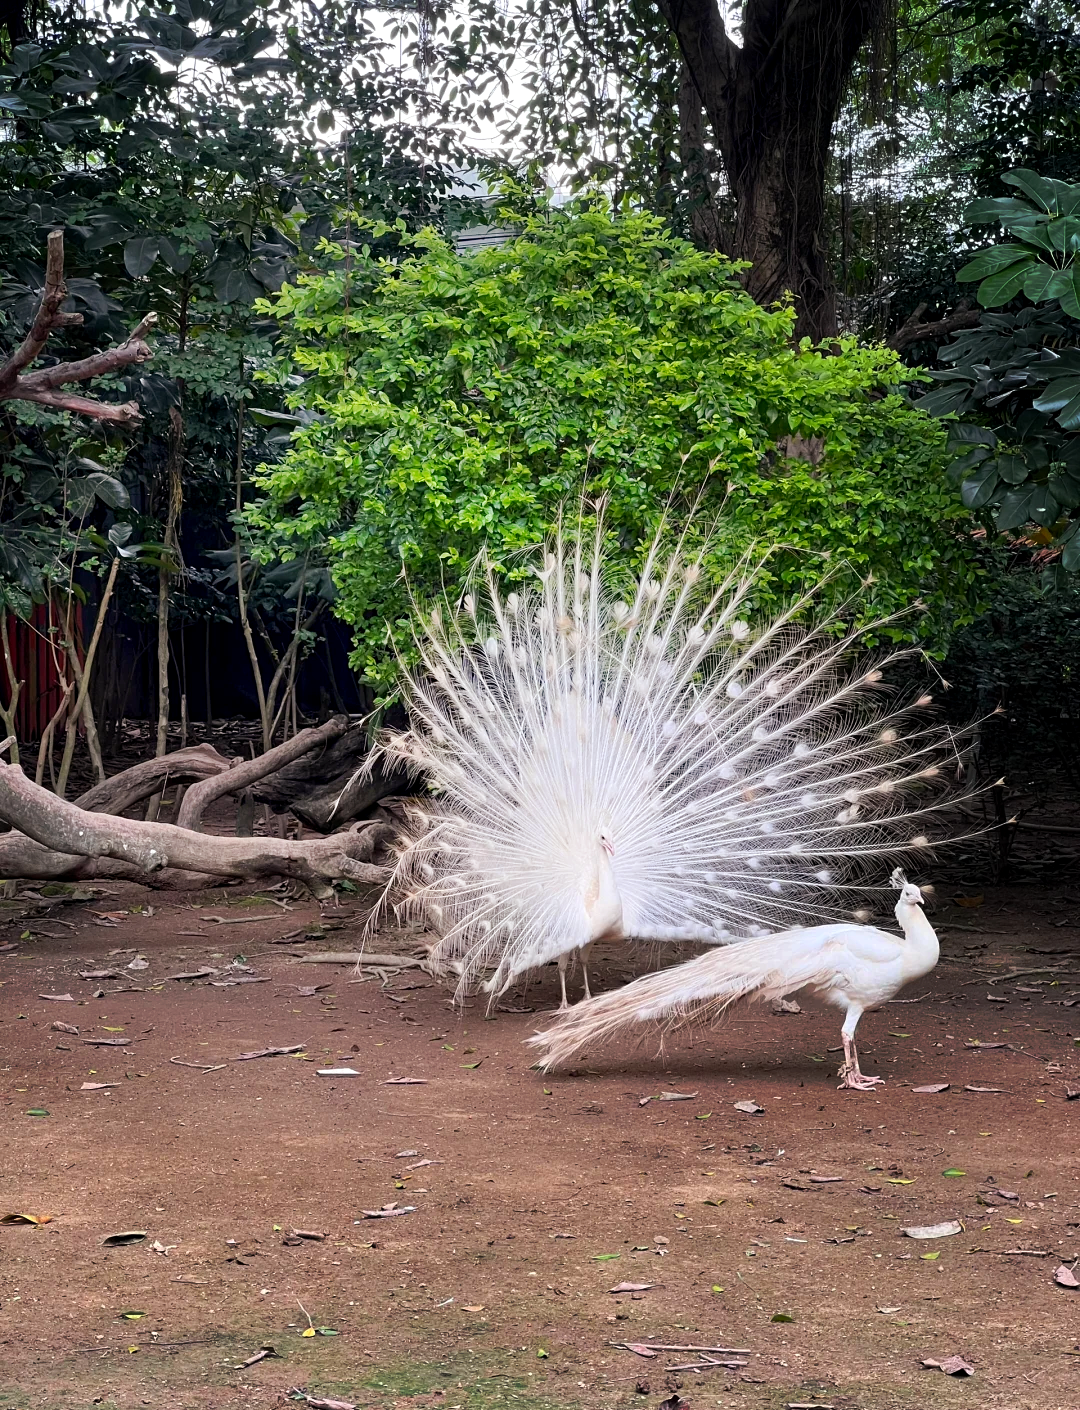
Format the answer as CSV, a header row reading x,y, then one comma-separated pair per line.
x,y
650,763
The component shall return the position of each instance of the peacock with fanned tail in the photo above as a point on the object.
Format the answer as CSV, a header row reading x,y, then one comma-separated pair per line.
x,y
649,764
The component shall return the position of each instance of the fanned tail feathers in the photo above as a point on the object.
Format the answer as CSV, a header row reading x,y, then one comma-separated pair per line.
x,y
747,773
696,992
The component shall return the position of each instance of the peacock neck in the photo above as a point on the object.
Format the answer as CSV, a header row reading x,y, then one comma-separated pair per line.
x,y
922,942
603,901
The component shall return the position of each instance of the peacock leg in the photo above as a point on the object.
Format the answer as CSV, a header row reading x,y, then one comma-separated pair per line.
x,y
850,1074
563,962
583,956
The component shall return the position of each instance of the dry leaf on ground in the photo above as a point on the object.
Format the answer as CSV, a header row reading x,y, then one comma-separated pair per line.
x,y
952,1366
750,1108
1065,1277
934,1231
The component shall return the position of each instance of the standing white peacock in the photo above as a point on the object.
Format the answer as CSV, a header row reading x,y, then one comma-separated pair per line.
x,y
645,763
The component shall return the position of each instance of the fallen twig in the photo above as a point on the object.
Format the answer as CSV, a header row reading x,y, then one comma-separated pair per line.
x,y
667,1346
704,1365
202,1066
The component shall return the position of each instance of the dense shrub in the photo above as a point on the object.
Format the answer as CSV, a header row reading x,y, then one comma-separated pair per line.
x,y
450,400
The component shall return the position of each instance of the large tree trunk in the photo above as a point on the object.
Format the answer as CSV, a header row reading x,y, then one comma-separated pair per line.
x,y
771,105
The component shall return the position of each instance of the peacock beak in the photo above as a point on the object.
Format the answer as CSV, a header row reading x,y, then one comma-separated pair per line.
x,y
608,846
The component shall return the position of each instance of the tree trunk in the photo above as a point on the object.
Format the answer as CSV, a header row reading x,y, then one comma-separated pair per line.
x,y
771,105
170,563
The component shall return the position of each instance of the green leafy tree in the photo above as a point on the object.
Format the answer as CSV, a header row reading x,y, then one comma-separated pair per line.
x,y
195,152
1013,382
452,401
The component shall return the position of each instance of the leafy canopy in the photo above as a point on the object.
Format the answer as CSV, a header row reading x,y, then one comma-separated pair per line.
x,y
454,400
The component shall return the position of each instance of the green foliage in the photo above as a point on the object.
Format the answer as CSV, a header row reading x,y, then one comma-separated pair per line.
x,y
195,153
1019,372
1022,654
453,401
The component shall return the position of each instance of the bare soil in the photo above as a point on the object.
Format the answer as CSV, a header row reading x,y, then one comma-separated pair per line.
x,y
541,1195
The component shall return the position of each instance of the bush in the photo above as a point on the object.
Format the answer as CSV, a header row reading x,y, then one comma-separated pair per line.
x,y
450,400
1022,654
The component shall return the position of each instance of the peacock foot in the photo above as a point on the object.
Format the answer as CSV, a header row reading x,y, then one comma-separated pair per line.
x,y
857,1082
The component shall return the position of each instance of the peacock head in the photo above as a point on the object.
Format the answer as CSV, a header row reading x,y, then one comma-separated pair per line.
x,y
908,893
606,843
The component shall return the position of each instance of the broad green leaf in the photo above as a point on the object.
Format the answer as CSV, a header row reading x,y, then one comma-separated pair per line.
x,y
978,489
1070,554
1029,504
965,433
1013,469
1065,487
1001,288
179,261
1039,188
1069,297
140,254
958,468
1003,208
992,261
1062,398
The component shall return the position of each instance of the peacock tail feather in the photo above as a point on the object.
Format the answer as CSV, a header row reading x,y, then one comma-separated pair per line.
x,y
749,773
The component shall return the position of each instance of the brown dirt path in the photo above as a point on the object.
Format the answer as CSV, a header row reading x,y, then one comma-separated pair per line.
x,y
495,1291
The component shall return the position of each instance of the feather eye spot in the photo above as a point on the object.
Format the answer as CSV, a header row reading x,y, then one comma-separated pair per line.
x,y
759,734
824,877
734,689
802,751
767,826
740,630
700,717
669,729
776,887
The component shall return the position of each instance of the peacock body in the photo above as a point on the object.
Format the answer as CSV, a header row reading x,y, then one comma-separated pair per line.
x,y
644,761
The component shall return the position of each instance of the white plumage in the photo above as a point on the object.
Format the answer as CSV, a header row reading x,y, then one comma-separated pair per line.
x,y
643,759
853,967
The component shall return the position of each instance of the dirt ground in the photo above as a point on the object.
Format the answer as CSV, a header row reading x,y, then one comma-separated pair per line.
x,y
539,1196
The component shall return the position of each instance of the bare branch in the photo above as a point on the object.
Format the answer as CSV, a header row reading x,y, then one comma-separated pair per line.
x,y
132,349
125,411
54,294
39,386
242,775
912,331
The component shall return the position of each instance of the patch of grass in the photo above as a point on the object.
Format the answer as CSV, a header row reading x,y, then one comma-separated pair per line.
x,y
492,1382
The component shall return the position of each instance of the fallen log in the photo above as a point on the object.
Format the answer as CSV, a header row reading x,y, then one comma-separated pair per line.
x,y
244,773
152,847
329,786
135,785
22,858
